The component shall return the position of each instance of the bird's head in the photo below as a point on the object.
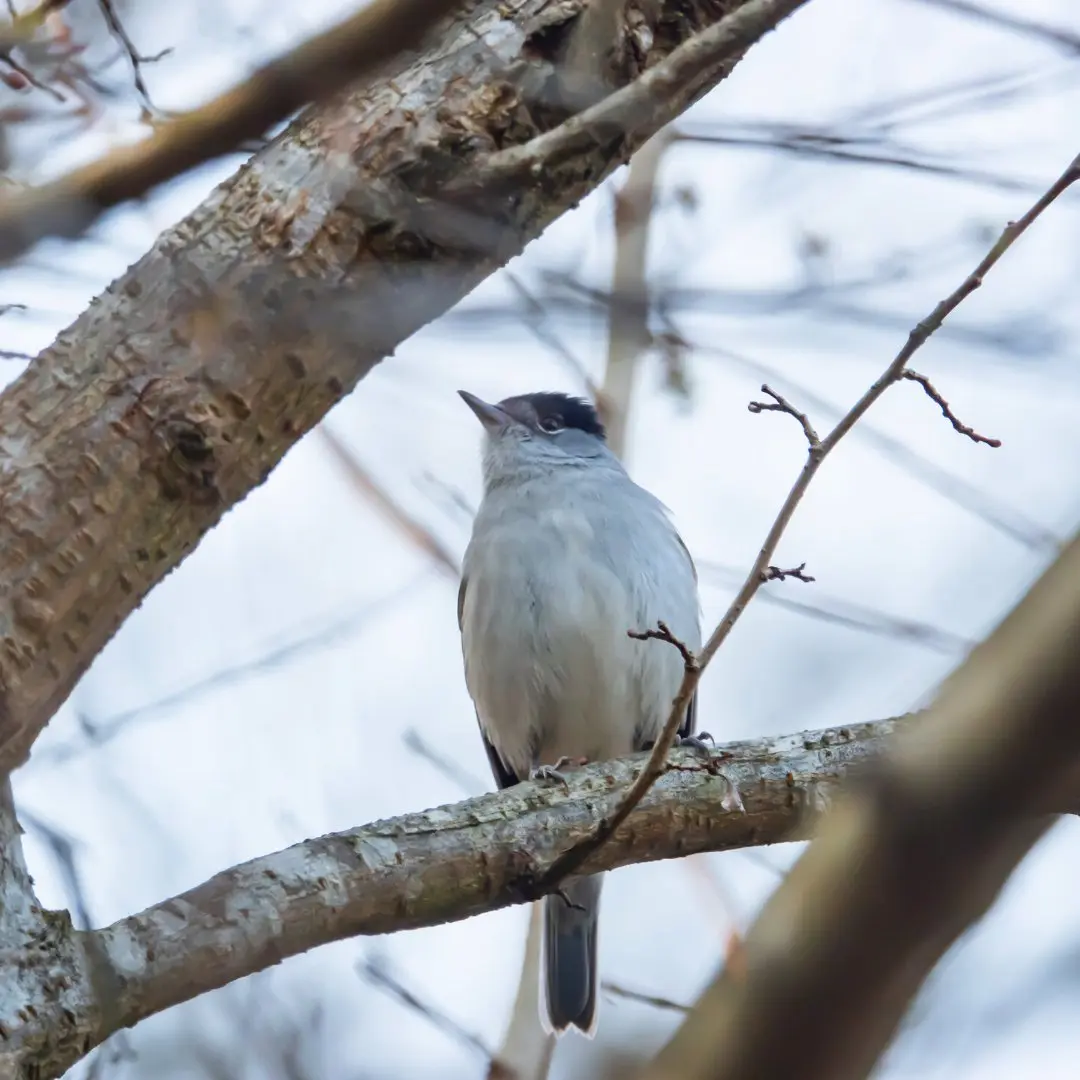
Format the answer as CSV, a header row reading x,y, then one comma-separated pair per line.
x,y
537,430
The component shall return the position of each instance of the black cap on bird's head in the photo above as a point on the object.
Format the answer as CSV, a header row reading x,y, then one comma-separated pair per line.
x,y
546,412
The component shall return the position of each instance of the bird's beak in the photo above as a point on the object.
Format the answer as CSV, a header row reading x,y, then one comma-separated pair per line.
x,y
492,417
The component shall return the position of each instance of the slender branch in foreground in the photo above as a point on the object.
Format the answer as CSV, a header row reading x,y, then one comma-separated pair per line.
x,y
819,450
315,70
946,410
905,862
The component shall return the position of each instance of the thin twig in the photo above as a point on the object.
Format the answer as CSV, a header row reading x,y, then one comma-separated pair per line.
x,y
781,404
840,612
1051,35
663,633
655,1000
571,859
1006,519
807,146
418,533
946,411
136,59
470,785
378,976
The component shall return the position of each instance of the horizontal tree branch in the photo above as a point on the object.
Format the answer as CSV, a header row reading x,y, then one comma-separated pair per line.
x,y
446,864
186,382
422,869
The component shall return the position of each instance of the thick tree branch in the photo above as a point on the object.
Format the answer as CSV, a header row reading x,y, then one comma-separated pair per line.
x,y
428,868
437,866
184,384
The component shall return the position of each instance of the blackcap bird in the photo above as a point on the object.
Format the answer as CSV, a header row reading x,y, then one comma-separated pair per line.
x,y
567,555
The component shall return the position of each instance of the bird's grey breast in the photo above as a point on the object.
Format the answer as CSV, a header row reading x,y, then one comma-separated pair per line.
x,y
558,570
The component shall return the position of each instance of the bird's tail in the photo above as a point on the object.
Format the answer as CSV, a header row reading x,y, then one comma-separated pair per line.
x,y
570,971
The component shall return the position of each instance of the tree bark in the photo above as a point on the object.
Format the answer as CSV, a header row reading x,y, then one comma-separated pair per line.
x,y
182,386
77,987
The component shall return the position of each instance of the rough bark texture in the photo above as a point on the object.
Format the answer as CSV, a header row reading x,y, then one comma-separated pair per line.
x,y
45,1008
419,870
184,384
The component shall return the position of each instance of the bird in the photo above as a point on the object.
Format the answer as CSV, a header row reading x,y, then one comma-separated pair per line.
x,y
567,556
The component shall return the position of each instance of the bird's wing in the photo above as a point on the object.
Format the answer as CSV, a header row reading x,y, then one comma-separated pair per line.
x,y
689,725
689,559
504,776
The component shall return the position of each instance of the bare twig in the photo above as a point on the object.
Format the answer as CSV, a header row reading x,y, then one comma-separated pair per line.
x,y
922,846
663,633
653,100
1051,35
136,59
808,145
781,404
462,778
946,411
1006,519
573,858
316,69
417,533
655,1000
841,612
376,974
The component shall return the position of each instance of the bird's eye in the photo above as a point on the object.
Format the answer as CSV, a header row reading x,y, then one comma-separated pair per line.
x,y
551,424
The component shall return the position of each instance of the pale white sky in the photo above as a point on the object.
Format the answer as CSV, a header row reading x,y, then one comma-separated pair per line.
x,y
314,742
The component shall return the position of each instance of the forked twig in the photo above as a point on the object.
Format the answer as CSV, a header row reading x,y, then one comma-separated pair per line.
x,y
572,859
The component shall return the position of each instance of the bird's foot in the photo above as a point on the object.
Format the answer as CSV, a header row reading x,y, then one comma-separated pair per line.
x,y
702,741
550,773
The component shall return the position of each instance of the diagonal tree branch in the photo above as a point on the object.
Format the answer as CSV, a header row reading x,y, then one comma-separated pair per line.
x,y
184,384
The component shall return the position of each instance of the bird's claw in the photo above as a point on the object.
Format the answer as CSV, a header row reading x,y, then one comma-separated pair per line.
x,y
702,741
550,773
